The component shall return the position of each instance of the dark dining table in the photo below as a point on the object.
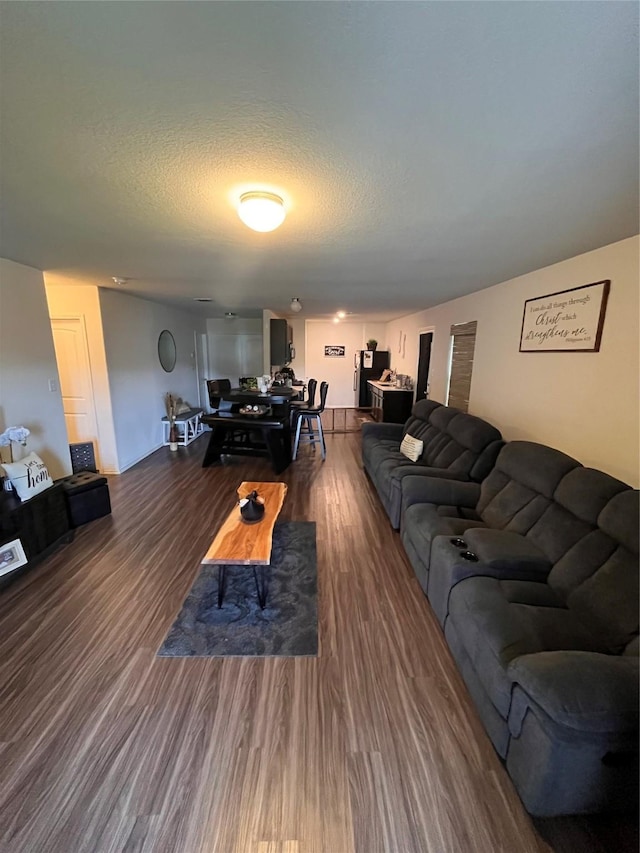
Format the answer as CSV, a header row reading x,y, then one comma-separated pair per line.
x,y
234,433
278,396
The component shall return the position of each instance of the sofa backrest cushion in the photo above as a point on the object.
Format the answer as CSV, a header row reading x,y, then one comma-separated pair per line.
x,y
419,417
607,601
453,440
580,498
472,433
586,492
485,461
456,440
573,513
521,486
619,519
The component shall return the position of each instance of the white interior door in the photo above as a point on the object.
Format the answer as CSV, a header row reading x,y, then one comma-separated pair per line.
x,y
72,355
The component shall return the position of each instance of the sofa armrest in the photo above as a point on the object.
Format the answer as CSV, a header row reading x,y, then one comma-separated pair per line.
x,y
581,692
390,431
427,489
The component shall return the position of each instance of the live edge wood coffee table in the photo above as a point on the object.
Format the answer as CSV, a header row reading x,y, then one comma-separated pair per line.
x,y
240,544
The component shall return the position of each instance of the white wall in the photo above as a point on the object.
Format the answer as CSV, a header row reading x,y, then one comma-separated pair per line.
x,y
27,363
338,372
137,382
235,348
299,343
299,327
585,404
377,331
83,301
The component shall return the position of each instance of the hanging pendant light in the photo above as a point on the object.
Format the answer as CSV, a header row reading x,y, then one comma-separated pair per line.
x,y
261,211
296,305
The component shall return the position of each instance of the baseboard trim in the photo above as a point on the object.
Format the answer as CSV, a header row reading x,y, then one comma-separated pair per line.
x,y
133,462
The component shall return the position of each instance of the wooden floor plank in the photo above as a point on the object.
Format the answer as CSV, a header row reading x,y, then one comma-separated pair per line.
x,y
372,746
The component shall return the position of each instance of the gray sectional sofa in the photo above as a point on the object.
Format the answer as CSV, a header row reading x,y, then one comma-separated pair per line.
x,y
457,446
530,562
534,576
511,499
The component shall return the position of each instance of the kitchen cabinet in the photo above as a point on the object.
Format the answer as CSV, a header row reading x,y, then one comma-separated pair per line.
x,y
390,404
281,342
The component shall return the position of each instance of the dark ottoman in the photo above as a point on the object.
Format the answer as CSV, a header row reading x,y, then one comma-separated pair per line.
x,y
87,497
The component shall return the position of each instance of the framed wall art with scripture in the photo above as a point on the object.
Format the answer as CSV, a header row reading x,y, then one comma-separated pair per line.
x,y
568,321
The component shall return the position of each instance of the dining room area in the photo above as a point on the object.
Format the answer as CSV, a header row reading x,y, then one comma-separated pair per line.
x,y
264,416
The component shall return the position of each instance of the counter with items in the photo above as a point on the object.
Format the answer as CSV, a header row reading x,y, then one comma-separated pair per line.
x,y
390,403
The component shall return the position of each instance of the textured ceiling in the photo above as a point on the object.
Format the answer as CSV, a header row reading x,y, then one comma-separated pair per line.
x,y
424,150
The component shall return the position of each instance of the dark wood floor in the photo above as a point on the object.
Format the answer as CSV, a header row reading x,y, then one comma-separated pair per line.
x,y
373,746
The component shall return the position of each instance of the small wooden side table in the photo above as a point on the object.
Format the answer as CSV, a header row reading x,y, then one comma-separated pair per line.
x,y
240,544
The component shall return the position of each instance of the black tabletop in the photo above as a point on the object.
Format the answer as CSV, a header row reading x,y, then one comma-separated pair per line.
x,y
255,398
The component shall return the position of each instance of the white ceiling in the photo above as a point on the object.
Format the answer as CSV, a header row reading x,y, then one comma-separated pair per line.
x,y
424,150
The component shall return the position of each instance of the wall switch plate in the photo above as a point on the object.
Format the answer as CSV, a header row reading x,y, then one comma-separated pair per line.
x,y
53,385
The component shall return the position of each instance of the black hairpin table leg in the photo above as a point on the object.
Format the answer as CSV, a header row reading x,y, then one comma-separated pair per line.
x,y
262,585
221,580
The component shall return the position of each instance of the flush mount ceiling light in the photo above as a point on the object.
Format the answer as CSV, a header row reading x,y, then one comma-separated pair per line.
x,y
296,305
261,211
341,314
229,315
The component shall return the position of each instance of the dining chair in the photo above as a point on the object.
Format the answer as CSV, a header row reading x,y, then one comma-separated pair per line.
x,y
311,416
216,387
297,405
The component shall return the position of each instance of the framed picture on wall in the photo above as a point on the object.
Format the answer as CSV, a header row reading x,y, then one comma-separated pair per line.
x,y
567,321
12,556
335,351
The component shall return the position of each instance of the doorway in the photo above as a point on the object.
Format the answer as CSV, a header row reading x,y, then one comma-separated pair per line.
x,y
76,387
424,360
201,347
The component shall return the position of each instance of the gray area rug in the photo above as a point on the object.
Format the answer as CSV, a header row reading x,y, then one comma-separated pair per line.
x,y
288,625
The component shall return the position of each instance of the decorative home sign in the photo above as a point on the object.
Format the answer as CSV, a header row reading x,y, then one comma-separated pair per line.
x,y
568,321
335,352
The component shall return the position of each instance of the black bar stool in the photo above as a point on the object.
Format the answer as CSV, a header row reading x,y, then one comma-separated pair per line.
x,y
297,405
309,416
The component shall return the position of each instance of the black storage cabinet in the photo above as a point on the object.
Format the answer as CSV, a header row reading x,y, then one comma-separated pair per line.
x,y
41,524
389,405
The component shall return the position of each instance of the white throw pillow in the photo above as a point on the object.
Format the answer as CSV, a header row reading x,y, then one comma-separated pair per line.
x,y
29,476
411,447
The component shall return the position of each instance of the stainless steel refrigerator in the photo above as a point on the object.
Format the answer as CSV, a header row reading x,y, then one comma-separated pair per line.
x,y
369,364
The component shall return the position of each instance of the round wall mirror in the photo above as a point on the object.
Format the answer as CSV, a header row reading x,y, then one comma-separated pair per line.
x,y
167,350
